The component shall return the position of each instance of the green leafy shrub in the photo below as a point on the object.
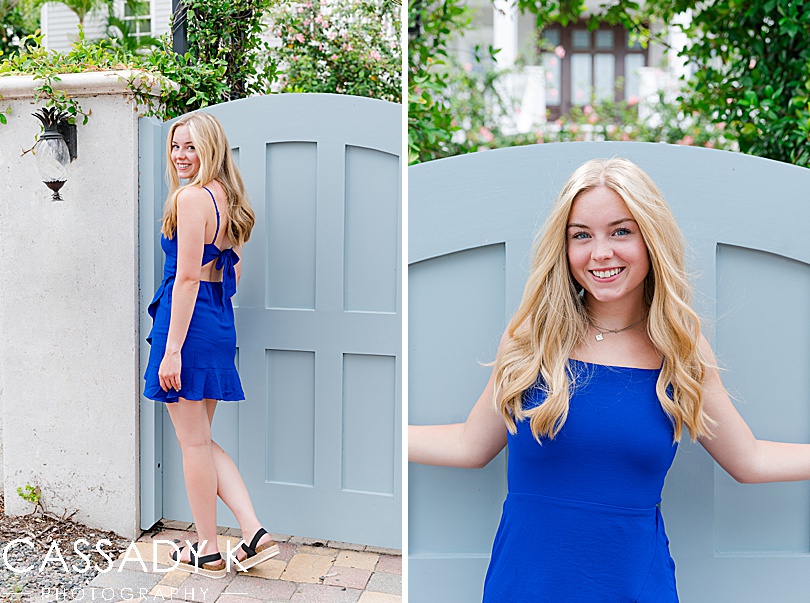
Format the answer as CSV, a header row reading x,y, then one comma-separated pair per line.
x,y
229,33
432,24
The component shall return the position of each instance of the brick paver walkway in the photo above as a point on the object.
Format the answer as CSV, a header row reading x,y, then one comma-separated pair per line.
x,y
305,571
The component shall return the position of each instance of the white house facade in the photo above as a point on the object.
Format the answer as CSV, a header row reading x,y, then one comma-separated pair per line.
x,y
563,67
61,26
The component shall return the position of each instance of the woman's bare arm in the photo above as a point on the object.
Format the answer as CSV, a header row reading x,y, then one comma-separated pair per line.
x,y
473,443
734,447
191,223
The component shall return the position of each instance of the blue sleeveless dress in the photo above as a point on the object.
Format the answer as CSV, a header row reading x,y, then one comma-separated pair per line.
x,y
207,370
580,523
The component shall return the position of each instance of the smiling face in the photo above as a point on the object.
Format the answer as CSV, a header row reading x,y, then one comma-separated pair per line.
x,y
606,252
184,155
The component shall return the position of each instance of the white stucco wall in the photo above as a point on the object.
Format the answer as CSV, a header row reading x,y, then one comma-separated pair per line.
x,y
69,368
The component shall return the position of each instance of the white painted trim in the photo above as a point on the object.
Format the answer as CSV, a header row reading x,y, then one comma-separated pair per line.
x,y
83,84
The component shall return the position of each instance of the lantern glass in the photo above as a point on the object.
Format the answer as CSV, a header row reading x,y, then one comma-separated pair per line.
x,y
52,159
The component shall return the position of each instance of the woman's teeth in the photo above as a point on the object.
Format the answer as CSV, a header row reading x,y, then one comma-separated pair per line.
x,y
606,273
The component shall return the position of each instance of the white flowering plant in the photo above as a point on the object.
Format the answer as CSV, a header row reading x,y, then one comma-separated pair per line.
x,y
339,46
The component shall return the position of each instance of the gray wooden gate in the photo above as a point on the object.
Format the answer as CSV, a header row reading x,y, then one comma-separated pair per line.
x,y
318,316
471,220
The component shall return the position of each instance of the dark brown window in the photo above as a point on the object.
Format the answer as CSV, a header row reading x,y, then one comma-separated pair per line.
x,y
589,66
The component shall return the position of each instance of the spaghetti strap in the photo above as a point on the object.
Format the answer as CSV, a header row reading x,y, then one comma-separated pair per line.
x,y
216,209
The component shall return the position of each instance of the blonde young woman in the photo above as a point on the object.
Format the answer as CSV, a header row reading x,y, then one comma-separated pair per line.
x,y
599,374
191,363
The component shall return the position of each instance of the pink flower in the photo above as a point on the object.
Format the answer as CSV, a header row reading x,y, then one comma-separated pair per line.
x,y
686,140
574,128
624,136
374,54
587,109
468,67
299,37
752,63
318,19
552,61
560,52
307,22
633,101
593,118
334,57
485,134
709,144
300,10
539,139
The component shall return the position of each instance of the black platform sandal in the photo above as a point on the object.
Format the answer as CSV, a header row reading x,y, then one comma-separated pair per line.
x,y
212,566
256,553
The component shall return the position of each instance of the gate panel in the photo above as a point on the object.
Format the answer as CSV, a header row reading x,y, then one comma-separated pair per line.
x,y
730,542
318,322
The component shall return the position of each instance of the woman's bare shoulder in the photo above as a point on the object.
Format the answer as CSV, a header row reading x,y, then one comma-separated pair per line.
x,y
192,197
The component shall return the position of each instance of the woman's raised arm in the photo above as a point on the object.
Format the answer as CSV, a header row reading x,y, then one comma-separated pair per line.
x,y
734,447
471,444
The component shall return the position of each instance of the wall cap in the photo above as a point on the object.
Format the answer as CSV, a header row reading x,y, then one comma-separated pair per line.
x,y
89,83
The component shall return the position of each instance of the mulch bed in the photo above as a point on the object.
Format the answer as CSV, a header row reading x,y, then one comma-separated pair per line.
x,y
53,547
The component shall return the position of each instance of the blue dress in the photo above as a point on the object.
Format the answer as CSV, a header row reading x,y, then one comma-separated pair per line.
x,y
207,369
580,523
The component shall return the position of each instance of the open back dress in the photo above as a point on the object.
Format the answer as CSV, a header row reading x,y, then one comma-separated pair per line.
x,y
207,357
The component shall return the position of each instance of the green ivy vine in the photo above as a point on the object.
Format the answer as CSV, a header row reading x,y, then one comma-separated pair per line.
x,y
228,60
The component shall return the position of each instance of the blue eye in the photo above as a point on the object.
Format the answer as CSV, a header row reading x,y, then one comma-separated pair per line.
x,y
580,236
622,232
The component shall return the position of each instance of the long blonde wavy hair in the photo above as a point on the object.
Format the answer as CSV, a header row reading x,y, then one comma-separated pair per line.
x,y
552,320
216,163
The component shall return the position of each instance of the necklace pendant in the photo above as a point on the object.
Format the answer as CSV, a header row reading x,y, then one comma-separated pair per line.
x,y
599,337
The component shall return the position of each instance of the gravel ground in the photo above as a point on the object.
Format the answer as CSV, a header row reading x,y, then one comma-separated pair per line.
x,y
52,549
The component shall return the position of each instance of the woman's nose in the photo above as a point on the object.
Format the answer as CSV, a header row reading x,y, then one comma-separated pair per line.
x,y
602,250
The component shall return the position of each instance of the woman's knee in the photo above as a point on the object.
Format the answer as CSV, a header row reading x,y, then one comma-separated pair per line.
x,y
188,441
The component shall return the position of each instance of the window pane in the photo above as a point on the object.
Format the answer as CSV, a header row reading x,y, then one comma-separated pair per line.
x,y
140,9
581,38
604,76
553,66
604,39
580,79
634,44
632,62
551,36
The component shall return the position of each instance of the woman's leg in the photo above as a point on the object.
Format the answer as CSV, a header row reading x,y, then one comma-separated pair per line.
x,y
193,429
232,490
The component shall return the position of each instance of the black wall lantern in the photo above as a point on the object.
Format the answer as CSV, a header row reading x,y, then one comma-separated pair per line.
x,y
55,149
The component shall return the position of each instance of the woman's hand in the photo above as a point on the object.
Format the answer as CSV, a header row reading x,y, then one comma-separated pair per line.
x,y
169,371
